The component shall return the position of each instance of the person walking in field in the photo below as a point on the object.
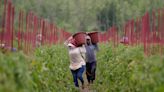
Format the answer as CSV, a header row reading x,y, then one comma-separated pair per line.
x,y
39,39
77,62
90,60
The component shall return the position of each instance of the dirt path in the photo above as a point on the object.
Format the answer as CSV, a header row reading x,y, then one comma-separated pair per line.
x,y
86,88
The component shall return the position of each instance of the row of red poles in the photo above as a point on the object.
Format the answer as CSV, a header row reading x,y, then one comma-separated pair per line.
x,y
147,31
30,31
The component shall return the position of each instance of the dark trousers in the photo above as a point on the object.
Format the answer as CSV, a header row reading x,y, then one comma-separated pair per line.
x,y
91,71
77,74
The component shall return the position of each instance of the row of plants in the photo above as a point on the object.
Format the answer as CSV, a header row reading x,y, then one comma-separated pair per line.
x,y
47,70
128,69
119,69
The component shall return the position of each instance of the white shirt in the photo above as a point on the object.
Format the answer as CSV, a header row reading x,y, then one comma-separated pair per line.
x,y
77,57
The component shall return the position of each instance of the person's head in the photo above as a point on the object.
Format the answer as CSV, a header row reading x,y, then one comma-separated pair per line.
x,y
2,45
88,40
39,37
71,46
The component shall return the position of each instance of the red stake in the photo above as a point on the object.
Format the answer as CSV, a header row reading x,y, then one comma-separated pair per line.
x,y
8,25
12,28
4,21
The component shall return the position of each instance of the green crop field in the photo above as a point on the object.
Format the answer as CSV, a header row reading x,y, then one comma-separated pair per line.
x,y
120,69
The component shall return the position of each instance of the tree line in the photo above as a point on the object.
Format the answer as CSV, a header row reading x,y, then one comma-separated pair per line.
x,y
84,15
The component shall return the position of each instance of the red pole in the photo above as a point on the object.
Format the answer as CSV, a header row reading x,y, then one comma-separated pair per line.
x,y
21,29
144,32
35,30
160,31
43,27
51,33
31,30
26,33
132,32
147,33
12,28
137,31
55,35
4,21
115,36
8,24
153,27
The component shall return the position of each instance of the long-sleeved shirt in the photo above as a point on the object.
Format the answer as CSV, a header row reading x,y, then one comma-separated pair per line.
x,y
90,53
77,57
